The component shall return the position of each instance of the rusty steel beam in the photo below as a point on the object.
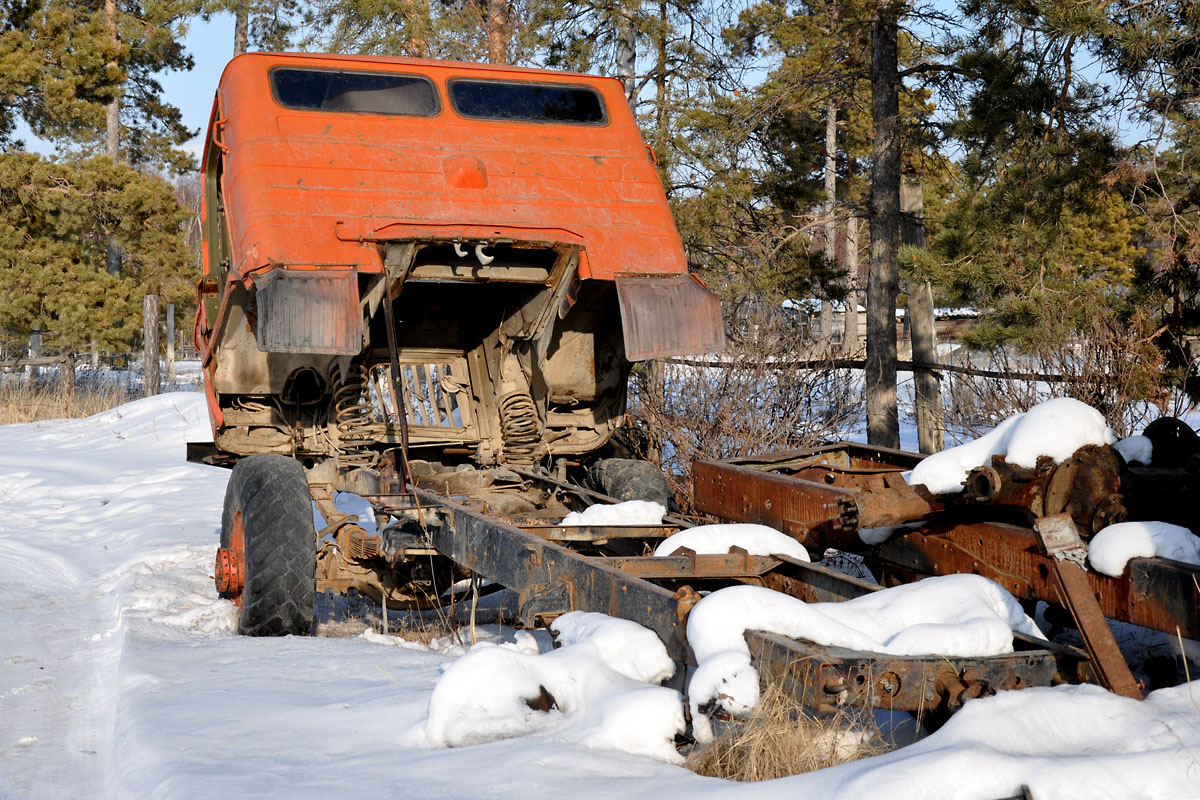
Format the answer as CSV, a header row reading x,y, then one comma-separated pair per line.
x,y
1061,541
896,504
691,565
819,515
598,533
553,580
1155,593
803,509
827,678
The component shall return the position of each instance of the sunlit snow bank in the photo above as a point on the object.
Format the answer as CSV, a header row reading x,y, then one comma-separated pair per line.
x,y
1062,742
597,689
757,540
1112,548
630,512
952,615
1055,428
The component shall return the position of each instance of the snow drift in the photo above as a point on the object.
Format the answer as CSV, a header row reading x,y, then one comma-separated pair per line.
x,y
1055,428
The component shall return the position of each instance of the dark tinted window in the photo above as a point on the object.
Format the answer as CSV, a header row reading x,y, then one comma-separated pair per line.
x,y
531,102
372,93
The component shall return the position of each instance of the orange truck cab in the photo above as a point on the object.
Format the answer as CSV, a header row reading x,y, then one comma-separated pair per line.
x,y
464,258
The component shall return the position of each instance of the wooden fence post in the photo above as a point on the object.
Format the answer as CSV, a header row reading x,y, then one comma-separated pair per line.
x,y
171,344
35,352
150,343
931,438
66,374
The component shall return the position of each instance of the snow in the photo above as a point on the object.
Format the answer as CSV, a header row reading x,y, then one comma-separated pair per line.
x,y
757,540
951,615
1055,428
600,686
120,676
1136,450
630,512
881,534
1112,548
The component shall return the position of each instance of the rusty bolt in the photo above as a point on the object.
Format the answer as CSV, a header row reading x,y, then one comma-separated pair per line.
x,y
888,684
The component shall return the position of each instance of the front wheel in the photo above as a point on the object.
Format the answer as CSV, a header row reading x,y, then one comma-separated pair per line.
x,y
267,561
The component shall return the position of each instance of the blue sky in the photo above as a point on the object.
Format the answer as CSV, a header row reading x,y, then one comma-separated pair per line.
x,y
211,46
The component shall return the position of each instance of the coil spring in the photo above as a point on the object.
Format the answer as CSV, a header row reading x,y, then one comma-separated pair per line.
x,y
355,416
519,427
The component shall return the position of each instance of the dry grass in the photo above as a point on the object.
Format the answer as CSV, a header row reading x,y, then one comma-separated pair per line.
x,y
31,402
781,738
410,628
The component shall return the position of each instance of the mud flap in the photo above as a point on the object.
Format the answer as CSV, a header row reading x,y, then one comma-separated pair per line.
x,y
668,315
309,312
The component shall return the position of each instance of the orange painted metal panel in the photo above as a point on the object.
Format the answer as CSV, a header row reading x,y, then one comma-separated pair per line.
x,y
314,188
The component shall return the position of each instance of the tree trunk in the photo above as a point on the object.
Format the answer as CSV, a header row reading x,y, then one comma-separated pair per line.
x,y
850,322
497,31
112,258
170,343
416,21
826,320
150,343
661,131
241,28
883,425
930,436
627,58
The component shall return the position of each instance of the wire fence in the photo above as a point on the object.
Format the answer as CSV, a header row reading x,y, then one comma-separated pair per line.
x,y
93,371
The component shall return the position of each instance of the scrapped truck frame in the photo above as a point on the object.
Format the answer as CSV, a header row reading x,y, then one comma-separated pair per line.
x,y
426,283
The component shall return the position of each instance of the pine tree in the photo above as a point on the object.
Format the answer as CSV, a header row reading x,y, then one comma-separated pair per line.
x,y
55,220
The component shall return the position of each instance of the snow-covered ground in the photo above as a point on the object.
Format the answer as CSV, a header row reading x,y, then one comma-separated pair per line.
x,y
120,675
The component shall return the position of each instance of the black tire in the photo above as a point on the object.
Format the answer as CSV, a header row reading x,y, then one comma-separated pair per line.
x,y
270,494
631,479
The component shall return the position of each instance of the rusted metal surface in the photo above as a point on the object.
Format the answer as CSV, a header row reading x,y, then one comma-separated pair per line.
x,y
803,509
557,580
827,678
691,565
668,315
893,503
1067,556
1087,486
598,534
551,578
1154,593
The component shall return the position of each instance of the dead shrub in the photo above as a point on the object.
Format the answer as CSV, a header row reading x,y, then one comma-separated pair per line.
x,y
1110,362
781,738
757,397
